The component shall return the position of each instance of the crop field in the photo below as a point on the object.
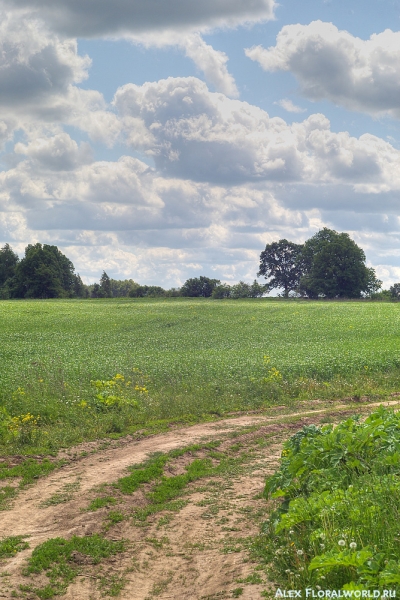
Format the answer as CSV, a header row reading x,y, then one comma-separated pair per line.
x,y
74,370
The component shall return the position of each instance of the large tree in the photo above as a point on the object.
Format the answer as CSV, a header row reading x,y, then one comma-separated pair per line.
x,y
281,263
44,272
334,267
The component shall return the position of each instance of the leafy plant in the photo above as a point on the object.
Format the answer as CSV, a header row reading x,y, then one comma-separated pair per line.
x,y
337,511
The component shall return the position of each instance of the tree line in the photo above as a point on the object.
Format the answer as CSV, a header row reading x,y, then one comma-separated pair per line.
x,y
328,265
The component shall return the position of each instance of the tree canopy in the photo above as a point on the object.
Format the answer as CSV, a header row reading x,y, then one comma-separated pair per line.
x,y
199,287
328,265
44,272
281,261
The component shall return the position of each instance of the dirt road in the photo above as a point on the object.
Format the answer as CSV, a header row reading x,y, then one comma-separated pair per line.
x,y
198,550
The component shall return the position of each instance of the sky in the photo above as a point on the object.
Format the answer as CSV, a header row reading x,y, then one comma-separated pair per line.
x,y
160,140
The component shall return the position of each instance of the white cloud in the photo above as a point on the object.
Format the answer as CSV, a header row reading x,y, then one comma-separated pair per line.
x,y
35,65
58,153
83,18
194,134
288,105
212,63
332,64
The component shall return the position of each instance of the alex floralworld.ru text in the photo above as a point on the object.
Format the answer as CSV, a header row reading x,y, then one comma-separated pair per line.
x,y
310,593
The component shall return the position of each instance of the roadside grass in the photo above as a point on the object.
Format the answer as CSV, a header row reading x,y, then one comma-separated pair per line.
x,y
11,545
59,559
184,362
64,495
25,474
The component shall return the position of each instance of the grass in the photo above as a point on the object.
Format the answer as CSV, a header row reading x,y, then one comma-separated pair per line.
x,y
187,360
11,545
55,558
25,473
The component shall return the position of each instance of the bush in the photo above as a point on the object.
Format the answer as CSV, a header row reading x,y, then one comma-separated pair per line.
x,y
338,494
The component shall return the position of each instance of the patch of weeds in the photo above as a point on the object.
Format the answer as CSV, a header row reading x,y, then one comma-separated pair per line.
x,y
170,487
236,447
235,544
112,585
114,517
158,543
161,586
164,521
254,579
144,473
65,495
27,471
237,592
43,593
7,493
57,557
101,503
141,514
11,545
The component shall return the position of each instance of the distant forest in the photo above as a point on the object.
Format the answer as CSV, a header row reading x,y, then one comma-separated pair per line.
x,y
45,272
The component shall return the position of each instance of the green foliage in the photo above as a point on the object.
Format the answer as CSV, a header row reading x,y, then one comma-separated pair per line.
x,y
395,291
105,286
44,272
117,392
147,291
55,558
8,264
122,288
189,359
170,487
334,267
281,263
101,502
11,545
199,287
27,471
338,506
151,471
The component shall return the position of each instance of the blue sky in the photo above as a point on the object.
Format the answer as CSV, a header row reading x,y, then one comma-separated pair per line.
x,y
164,139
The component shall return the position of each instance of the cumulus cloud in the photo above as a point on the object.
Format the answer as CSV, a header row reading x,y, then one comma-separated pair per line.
x,y
39,73
83,18
212,63
58,153
195,134
35,65
288,105
332,64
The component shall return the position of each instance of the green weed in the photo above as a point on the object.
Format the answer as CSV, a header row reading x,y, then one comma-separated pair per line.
x,y
55,557
338,497
101,502
11,545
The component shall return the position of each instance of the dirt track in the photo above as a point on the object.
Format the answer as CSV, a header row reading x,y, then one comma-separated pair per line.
x,y
195,553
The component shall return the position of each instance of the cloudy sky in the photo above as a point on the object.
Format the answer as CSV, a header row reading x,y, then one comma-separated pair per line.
x,y
165,139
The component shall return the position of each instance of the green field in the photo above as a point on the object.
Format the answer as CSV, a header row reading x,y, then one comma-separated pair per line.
x,y
193,357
